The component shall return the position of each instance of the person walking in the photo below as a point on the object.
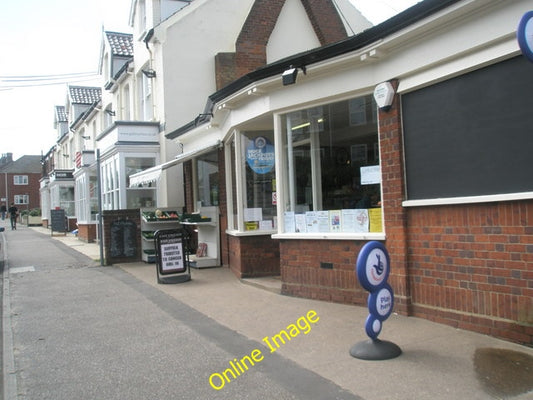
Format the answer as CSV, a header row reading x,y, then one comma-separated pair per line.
x,y
3,210
13,214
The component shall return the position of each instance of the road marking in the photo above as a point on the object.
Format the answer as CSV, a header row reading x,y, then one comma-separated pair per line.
x,y
20,270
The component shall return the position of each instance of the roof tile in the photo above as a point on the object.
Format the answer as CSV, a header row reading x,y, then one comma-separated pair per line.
x,y
121,43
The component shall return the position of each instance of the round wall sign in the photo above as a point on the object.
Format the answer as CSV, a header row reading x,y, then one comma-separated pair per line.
x,y
524,34
373,266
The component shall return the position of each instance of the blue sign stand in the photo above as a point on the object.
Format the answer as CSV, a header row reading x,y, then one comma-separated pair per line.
x,y
372,269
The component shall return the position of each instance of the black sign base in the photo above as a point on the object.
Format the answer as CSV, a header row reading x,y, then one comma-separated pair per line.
x,y
375,350
173,278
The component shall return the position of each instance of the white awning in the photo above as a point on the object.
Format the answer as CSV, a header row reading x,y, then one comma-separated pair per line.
x,y
152,174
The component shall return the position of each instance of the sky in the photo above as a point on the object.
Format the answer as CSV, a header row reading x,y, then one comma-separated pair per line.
x,y
41,41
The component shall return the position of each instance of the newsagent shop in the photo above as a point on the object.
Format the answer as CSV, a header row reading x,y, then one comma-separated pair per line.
x,y
307,167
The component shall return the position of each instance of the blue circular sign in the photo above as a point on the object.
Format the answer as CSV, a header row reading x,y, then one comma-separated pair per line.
x,y
260,155
373,266
381,302
524,34
373,326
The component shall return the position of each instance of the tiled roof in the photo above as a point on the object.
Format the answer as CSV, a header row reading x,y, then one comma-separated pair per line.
x,y
25,164
61,114
84,94
121,43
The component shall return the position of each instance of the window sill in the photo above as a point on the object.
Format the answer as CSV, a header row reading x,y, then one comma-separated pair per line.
x,y
250,233
331,236
468,199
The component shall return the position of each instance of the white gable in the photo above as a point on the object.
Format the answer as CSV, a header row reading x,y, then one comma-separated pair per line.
x,y
292,34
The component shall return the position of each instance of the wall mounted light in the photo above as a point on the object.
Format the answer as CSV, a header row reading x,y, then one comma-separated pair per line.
x,y
66,155
289,76
85,137
150,73
110,112
384,95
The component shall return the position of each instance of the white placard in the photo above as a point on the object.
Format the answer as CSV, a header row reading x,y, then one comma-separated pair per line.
x,y
370,175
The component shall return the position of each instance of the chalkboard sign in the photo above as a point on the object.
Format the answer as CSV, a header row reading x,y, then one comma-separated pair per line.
x,y
58,221
123,238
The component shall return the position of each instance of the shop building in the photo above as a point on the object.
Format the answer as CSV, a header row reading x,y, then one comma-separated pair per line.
x,y
306,168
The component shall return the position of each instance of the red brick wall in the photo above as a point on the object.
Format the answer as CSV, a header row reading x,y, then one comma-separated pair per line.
x,y
471,266
252,41
32,189
302,275
393,188
253,256
87,232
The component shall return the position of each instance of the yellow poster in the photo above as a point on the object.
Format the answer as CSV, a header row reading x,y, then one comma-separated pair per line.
x,y
376,221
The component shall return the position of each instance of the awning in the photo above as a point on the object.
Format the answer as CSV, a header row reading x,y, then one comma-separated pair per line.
x,y
152,174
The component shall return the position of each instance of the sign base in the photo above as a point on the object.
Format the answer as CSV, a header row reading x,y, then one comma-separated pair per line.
x,y
173,278
375,350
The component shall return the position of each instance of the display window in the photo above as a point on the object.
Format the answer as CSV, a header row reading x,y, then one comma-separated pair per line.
x,y
253,173
207,183
145,194
331,175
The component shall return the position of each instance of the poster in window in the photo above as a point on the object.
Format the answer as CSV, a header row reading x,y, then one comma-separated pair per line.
x,y
260,155
288,220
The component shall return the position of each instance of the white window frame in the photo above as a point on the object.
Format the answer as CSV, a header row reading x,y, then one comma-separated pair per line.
x,y
20,179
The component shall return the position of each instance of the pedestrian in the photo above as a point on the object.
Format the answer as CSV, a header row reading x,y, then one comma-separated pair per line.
x,y
13,214
3,210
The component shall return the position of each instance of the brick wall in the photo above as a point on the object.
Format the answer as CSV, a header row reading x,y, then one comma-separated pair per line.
x,y
252,41
32,189
471,266
393,189
87,232
254,256
302,275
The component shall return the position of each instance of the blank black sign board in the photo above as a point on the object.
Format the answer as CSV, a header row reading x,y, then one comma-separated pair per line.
x,y
123,238
58,221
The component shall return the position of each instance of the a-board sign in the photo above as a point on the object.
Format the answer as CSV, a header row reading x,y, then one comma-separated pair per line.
x,y
169,250
58,220
123,238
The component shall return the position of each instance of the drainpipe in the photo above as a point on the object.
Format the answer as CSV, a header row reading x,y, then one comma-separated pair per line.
x,y
147,38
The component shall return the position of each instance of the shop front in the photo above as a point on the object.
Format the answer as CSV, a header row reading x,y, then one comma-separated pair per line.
x,y
431,175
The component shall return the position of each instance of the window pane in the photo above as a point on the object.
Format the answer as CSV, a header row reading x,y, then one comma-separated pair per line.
x,y
260,208
331,154
207,178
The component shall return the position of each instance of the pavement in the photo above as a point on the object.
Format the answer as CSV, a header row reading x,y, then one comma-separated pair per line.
x,y
437,361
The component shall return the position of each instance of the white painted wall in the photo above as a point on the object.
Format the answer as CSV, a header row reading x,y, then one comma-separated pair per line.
x,y
292,34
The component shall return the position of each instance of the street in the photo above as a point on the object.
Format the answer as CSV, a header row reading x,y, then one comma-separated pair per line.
x,y
84,331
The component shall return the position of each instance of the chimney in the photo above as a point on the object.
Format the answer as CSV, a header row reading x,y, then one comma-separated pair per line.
x,y
7,158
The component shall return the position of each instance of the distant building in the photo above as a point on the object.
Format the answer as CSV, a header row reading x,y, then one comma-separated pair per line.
x,y
19,181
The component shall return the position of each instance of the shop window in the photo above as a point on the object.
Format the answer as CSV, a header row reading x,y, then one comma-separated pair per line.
x,y
253,189
207,179
145,195
66,200
331,172
260,177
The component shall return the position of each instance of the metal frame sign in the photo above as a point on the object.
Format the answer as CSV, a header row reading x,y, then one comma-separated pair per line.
x,y
169,250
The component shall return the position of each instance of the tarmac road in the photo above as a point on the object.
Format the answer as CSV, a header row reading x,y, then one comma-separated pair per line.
x,y
82,331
